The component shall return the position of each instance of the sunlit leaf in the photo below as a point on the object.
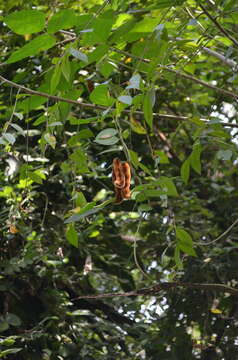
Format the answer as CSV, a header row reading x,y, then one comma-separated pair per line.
x,y
25,21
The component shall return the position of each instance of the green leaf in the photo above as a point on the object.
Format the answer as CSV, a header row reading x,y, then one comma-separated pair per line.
x,y
78,55
18,129
72,235
194,158
3,325
55,78
13,319
134,82
162,157
147,109
136,126
107,137
98,53
125,99
177,258
224,155
26,21
9,137
101,28
40,43
80,159
65,67
85,211
185,242
185,171
146,194
80,199
134,158
63,19
10,351
167,185
100,95
50,139
35,177
106,67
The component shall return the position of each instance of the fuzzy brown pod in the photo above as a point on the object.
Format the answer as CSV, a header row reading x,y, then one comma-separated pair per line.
x,y
121,178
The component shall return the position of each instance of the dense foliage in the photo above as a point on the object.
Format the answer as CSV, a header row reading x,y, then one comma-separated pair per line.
x,y
150,82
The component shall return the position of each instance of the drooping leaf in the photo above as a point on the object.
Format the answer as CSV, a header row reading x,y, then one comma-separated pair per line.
x,y
18,129
72,235
185,171
194,158
55,78
185,242
177,258
65,67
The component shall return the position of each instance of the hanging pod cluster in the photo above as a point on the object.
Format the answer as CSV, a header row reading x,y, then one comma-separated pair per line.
x,y
121,178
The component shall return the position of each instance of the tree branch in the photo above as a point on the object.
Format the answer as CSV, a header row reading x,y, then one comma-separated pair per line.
x,y
100,107
222,30
179,73
228,62
167,68
154,290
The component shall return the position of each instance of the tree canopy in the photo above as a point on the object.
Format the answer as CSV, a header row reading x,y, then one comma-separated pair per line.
x,y
91,269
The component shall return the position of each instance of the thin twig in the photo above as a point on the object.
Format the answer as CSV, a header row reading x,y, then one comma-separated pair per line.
x,y
100,107
222,235
222,30
154,290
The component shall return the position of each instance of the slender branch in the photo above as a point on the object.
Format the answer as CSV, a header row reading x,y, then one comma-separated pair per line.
x,y
154,290
179,73
222,235
222,30
228,62
167,68
100,107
